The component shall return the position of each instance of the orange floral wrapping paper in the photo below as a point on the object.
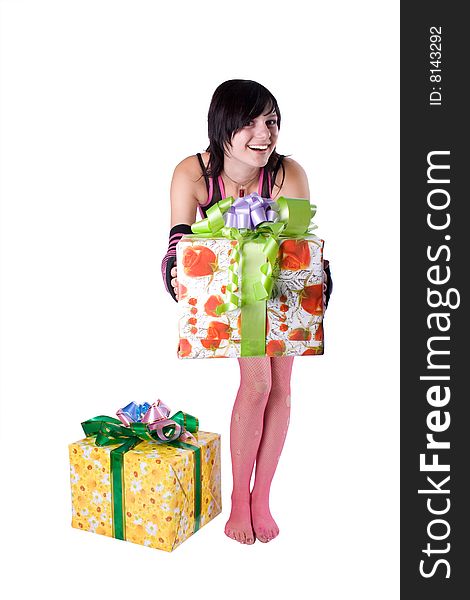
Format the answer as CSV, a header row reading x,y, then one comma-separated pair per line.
x,y
159,490
294,311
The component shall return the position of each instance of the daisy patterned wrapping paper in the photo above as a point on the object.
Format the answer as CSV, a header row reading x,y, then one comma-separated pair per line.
x,y
293,313
159,490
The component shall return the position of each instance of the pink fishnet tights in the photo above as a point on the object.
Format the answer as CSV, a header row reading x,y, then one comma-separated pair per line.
x,y
260,419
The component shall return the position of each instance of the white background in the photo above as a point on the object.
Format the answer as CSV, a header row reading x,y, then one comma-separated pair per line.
x,y
99,101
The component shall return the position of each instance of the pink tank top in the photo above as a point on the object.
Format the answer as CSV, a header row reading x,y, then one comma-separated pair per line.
x,y
213,194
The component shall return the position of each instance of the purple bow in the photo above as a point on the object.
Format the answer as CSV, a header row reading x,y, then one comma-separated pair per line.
x,y
250,211
156,417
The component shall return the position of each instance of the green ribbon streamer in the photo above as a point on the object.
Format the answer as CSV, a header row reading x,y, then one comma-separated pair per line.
x,y
253,326
117,486
254,258
110,431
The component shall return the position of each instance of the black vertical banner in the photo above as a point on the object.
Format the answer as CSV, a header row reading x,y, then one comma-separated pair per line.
x,y
435,242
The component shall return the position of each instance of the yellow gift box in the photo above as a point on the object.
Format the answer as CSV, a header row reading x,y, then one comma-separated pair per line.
x,y
160,497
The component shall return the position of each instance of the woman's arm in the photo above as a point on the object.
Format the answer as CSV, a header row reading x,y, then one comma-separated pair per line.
x,y
182,193
183,214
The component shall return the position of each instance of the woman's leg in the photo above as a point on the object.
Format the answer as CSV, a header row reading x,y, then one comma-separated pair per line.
x,y
276,422
245,434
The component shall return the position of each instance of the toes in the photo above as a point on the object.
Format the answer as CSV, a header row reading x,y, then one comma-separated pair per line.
x,y
270,535
243,536
249,537
261,535
266,535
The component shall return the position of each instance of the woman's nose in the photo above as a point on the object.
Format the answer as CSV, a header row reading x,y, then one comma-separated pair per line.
x,y
262,131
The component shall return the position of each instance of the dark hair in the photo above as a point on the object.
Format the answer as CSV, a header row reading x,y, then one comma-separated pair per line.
x,y
234,103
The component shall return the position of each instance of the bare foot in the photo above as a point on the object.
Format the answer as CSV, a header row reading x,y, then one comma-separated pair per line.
x,y
264,525
238,527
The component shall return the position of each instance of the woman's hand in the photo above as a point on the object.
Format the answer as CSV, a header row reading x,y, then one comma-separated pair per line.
x,y
326,264
174,281
327,283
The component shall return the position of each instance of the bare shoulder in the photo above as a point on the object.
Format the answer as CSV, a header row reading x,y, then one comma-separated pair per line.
x,y
187,190
295,183
188,168
292,165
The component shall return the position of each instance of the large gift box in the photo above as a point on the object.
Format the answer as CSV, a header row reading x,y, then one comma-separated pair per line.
x,y
234,300
149,493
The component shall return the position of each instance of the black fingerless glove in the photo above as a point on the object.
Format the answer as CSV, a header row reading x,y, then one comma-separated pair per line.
x,y
169,260
329,285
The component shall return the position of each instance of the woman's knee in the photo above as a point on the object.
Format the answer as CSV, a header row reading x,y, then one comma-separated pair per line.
x,y
262,386
280,392
281,373
258,390
255,379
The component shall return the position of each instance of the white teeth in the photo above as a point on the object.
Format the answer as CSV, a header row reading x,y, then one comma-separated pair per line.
x,y
265,147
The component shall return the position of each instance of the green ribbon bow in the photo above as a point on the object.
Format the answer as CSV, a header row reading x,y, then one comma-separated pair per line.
x,y
254,258
110,431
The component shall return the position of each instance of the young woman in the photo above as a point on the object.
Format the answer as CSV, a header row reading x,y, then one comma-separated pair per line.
x,y
243,126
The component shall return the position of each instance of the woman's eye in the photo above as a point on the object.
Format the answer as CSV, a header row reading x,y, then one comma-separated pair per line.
x,y
271,122
248,123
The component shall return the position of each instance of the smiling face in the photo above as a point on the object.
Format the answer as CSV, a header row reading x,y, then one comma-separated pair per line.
x,y
254,143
